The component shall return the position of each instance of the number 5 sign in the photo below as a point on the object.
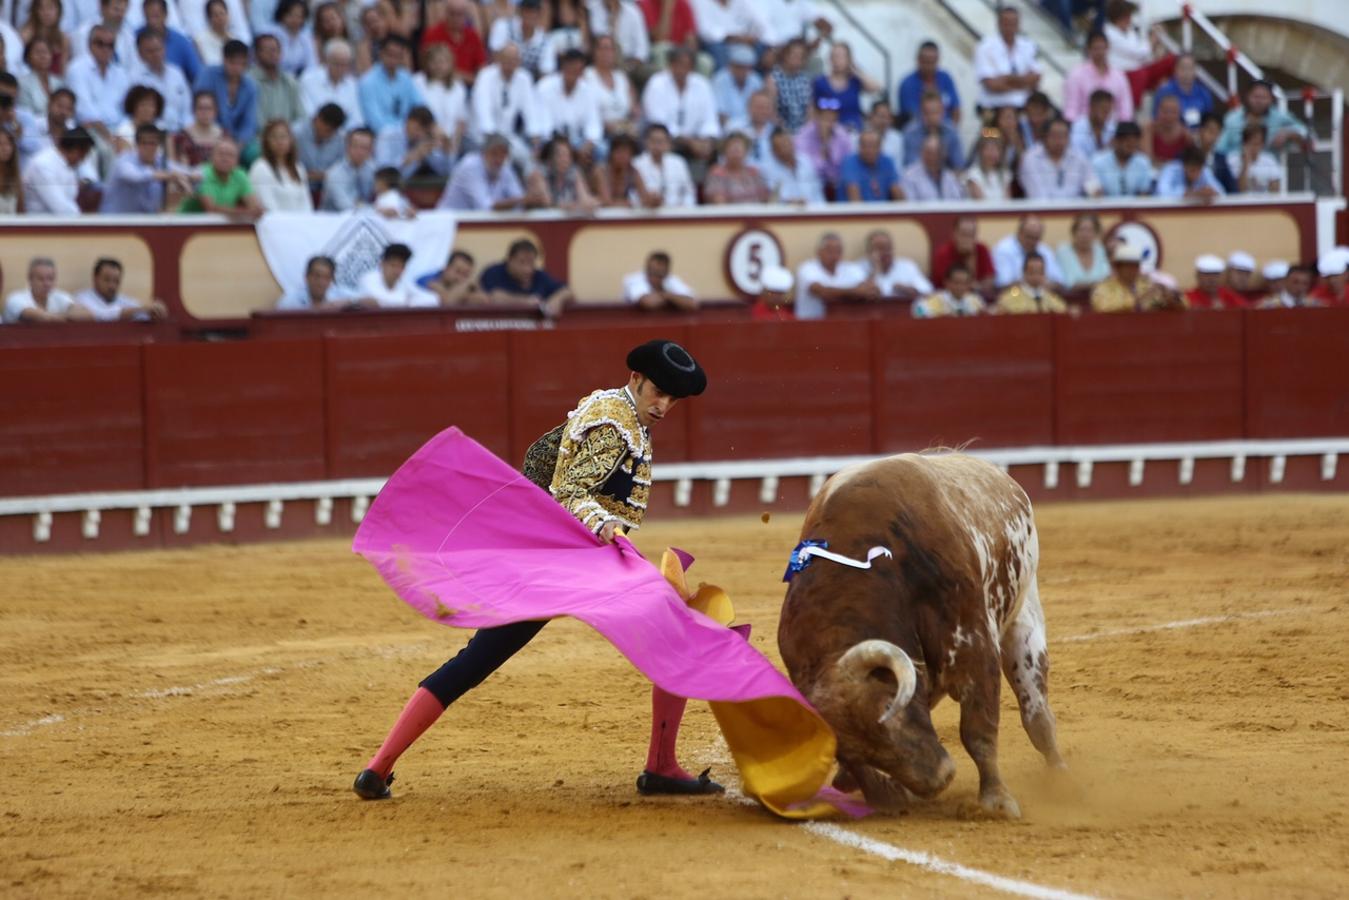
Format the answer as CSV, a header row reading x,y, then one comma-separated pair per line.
x,y
747,255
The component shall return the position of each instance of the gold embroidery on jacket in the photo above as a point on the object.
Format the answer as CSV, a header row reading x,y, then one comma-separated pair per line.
x,y
601,436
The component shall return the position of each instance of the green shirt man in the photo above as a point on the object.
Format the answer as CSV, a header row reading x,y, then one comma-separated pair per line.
x,y
224,187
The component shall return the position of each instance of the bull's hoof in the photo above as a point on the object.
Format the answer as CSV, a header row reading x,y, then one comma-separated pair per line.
x,y
999,804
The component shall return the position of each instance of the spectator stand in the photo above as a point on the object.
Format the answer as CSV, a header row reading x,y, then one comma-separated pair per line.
x,y
1320,109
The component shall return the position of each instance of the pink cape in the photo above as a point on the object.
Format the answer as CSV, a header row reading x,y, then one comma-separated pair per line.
x,y
468,541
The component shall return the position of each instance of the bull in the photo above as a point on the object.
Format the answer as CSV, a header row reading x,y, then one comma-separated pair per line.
x,y
931,591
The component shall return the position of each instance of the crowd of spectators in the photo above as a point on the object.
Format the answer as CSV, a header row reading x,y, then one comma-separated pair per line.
x,y
243,108
103,301
1023,274
227,107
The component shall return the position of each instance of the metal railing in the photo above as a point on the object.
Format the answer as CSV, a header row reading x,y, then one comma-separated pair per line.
x,y
1238,63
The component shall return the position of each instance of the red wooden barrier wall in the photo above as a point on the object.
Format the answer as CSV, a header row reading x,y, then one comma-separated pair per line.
x,y
1138,379
246,412
942,383
134,416
1297,374
783,390
388,395
72,420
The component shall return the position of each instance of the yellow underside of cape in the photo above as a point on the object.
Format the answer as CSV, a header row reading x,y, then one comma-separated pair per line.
x,y
785,752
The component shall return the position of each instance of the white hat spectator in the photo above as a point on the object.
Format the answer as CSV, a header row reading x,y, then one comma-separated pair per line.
x,y
1275,270
1241,260
1208,264
776,279
1332,262
1128,253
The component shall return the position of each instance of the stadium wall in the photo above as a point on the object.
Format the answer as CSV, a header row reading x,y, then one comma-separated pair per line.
x,y
152,416
212,273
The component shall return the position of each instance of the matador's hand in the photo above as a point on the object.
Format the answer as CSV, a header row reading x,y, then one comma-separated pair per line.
x,y
608,531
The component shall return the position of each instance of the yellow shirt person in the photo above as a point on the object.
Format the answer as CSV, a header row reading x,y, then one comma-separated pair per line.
x,y
1128,290
1031,295
958,299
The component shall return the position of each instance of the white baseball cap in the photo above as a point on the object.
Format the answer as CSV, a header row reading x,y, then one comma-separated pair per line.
x,y
1241,260
1274,270
1128,253
776,279
1208,264
1332,262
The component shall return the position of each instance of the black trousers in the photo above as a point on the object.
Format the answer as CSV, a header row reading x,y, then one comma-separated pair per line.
x,y
483,655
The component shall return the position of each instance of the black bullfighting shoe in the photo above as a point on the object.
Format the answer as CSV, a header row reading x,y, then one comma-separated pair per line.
x,y
369,786
649,783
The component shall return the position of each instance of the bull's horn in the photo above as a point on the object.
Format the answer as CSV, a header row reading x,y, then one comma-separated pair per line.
x,y
861,658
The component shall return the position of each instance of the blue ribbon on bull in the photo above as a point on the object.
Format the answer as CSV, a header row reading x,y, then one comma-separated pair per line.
x,y
799,560
808,550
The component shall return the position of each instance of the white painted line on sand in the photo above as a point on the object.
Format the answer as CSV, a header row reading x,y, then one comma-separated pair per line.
x,y
1181,623
385,651
29,727
936,864
189,690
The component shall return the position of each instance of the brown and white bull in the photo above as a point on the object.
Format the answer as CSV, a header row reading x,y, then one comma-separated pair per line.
x,y
874,649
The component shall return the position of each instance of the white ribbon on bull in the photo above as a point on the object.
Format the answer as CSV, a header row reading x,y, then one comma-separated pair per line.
x,y
801,557
846,560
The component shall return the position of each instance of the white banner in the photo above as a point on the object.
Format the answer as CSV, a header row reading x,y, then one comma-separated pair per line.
x,y
354,240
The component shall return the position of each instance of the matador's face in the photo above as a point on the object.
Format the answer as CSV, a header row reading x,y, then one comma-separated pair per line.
x,y
653,404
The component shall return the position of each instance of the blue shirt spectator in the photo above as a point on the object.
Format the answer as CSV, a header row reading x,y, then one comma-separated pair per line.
x,y
351,182
519,279
733,85
135,185
1133,178
918,130
237,115
1193,103
1277,125
413,147
1124,171
387,92
1195,99
319,142
868,176
1085,140
1186,176
927,77
498,278
849,100
484,181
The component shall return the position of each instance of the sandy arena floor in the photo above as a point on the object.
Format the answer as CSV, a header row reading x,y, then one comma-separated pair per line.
x,y
189,723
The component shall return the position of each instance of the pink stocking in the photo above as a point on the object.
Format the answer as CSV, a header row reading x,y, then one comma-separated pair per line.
x,y
666,712
420,714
